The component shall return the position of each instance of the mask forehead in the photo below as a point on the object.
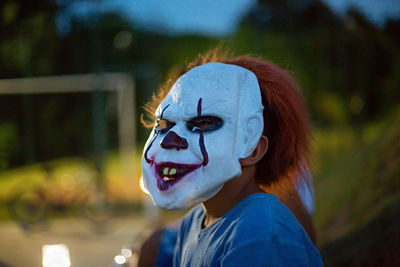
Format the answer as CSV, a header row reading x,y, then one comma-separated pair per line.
x,y
217,85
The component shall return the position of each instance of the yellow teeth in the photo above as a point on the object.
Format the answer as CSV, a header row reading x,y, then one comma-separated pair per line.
x,y
168,173
165,171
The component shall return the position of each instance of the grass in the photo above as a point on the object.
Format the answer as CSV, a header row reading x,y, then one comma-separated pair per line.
x,y
375,243
357,191
69,179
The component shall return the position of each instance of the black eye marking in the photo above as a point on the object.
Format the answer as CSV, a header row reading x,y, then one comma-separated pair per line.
x,y
148,148
156,132
163,125
204,124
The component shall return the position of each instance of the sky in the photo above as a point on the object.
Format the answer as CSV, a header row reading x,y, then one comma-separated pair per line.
x,y
376,10
205,17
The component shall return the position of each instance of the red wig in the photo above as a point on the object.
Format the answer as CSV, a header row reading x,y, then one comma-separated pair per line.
x,y
286,122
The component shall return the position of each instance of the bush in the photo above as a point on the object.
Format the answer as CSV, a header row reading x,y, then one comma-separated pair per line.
x,y
8,141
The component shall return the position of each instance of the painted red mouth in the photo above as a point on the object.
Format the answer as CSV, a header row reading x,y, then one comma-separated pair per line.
x,y
169,173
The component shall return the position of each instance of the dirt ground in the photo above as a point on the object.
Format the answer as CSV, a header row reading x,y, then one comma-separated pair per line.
x,y
87,247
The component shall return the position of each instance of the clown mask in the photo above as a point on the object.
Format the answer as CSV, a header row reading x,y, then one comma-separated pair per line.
x,y
211,118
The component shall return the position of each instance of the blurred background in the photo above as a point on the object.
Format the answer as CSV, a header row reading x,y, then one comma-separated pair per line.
x,y
74,76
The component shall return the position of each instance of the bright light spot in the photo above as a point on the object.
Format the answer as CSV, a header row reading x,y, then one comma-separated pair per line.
x,y
142,187
119,259
126,252
55,256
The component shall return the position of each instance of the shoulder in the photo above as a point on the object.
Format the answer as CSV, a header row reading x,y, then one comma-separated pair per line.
x,y
263,219
274,252
272,233
267,215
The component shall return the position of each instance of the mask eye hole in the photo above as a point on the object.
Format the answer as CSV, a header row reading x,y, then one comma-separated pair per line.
x,y
163,125
204,124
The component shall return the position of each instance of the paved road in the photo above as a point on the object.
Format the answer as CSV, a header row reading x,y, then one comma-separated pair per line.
x,y
87,248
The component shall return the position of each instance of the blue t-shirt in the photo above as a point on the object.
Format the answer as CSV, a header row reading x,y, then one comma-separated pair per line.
x,y
166,248
259,231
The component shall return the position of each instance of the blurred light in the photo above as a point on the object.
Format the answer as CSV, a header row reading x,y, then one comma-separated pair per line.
x,y
356,104
126,252
55,256
123,39
119,259
142,186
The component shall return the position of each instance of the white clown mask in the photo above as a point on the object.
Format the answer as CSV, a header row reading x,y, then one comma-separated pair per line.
x,y
211,118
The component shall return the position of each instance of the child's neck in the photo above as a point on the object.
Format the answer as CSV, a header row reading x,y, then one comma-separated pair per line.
x,y
233,191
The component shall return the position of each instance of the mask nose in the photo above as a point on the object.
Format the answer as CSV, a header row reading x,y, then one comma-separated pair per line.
x,y
172,140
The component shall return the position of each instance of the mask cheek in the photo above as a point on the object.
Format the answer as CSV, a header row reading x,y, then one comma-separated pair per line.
x,y
194,147
222,170
148,172
223,155
223,163
151,148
